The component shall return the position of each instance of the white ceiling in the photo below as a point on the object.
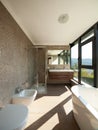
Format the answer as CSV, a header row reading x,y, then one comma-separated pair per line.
x,y
39,19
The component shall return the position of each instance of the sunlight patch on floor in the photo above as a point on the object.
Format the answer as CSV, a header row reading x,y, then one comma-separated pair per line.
x,y
47,107
68,107
51,123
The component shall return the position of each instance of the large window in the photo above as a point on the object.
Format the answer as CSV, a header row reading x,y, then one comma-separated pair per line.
x,y
84,56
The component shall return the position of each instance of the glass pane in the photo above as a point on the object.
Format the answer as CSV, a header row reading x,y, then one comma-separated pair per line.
x,y
87,76
87,36
87,54
74,60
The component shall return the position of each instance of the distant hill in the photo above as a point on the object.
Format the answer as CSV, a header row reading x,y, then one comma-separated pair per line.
x,y
87,62
84,61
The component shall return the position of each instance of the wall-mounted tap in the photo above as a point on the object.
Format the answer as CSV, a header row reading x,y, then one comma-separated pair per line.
x,y
26,84
18,89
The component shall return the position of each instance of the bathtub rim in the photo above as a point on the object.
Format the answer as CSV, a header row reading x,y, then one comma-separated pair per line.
x,y
87,105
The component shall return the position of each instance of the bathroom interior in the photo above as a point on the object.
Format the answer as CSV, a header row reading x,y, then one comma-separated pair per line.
x,y
48,49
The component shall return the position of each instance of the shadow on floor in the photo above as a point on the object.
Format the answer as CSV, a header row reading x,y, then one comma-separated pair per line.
x,y
54,90
66,122
59,88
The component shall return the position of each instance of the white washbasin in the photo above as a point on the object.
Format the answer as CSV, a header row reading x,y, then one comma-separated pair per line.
x,y
26,97
13,117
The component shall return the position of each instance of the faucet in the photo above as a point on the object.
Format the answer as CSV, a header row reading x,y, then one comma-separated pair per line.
x,y
18,89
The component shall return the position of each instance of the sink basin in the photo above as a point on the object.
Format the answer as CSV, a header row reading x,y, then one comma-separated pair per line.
x,y
13,117
26,97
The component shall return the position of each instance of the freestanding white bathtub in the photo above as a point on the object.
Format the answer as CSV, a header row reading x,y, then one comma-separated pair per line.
x,y
85,106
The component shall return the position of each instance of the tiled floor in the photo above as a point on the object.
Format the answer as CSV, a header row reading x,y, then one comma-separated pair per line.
x,y
52,111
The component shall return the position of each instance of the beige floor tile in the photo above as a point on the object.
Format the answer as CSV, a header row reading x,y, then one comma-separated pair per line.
x,y
52,111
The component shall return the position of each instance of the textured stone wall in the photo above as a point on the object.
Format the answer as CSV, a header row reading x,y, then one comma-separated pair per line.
x,y
16,56
41,65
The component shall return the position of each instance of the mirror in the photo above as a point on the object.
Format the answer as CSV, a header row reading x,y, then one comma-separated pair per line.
x,y
58,58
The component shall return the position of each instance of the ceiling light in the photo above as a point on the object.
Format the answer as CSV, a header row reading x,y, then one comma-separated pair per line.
x,y
63,18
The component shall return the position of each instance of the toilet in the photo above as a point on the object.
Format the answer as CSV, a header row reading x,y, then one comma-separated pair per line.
x,y
13,117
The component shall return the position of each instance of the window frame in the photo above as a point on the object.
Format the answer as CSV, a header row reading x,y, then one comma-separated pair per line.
x,y
82,66
81,43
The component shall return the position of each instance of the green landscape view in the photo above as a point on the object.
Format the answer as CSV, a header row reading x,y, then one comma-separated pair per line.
x,y
87,75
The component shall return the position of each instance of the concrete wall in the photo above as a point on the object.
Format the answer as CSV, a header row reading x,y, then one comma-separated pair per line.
x,y
41,65
16,56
